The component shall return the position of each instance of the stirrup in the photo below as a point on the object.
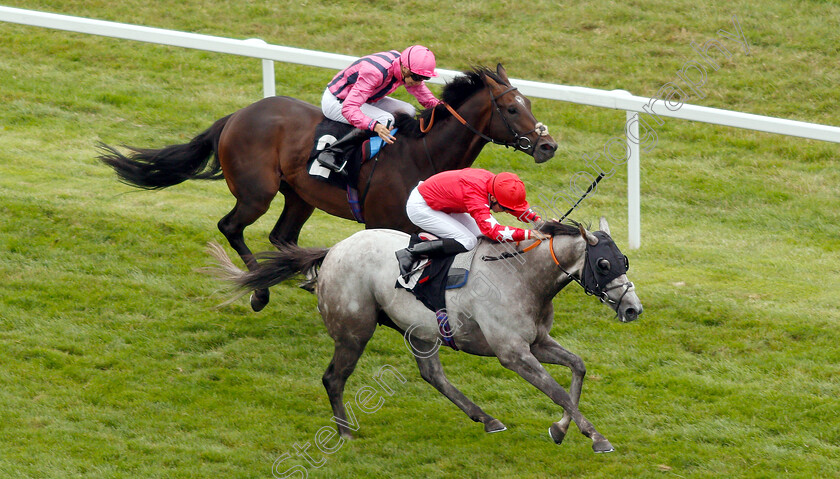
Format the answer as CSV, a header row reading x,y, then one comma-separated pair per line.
x,y
405,254
331,164
418,265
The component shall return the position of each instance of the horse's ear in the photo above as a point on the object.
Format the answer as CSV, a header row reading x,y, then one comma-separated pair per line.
x,y
587,236
604,226
500,70
489,80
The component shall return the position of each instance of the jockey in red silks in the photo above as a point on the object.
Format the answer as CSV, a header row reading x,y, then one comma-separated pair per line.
x,y
455,206
358,95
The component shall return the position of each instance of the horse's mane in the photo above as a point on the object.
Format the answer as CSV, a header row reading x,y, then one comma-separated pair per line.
x,y
555,228
455,93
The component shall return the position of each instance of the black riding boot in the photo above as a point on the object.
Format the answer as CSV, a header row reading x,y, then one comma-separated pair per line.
x,y
333,156
431,249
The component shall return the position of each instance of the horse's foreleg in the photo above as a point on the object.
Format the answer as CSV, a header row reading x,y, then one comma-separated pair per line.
x,y
295,213
432,371
232,226
522,361
548,351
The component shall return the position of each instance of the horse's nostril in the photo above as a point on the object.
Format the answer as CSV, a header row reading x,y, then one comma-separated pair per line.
x,y
548,147
631,314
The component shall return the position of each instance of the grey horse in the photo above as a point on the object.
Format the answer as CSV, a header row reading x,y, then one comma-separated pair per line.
x,y
505,310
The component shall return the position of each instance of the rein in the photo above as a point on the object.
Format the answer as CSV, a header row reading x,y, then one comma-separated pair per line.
x,y
425,129
520,140
590,291
508,254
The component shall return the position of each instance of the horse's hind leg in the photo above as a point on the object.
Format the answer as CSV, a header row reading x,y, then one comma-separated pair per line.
x,y
432,371
549,351
232,226
343,363
351,332
518,358
295,213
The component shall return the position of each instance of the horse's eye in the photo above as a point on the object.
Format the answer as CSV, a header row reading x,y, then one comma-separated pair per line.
x,y
626,263
603,264
512,110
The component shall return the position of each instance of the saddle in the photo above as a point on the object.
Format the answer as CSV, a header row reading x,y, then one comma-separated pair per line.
x,y
456,275
326,133
431,278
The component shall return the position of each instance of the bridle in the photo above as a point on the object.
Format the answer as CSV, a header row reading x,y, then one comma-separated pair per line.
x,y
591,290
520,141
596,290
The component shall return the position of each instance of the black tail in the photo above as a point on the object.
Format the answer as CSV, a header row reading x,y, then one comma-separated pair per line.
x,y
288,261
275,266
151,169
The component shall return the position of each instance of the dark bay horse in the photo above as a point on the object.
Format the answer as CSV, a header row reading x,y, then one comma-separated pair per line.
x,y
264,148
501,312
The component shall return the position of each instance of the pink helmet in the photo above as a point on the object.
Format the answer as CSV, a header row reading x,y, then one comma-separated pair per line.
x,y
509,191
420,60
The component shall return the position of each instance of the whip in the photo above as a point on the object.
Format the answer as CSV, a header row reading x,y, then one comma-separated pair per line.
x,y
589,190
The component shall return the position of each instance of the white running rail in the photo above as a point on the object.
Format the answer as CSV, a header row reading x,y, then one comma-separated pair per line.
x,y
617,99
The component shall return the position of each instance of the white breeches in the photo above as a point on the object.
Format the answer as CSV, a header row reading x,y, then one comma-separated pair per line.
x,y
458,226
382,111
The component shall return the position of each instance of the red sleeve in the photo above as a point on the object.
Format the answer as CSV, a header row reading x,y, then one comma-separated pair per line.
x,y
527,216
478,208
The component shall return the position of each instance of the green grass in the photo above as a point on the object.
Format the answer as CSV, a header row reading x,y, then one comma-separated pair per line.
x,y
115,361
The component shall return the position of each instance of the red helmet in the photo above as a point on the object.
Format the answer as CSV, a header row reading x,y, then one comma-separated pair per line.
x,y
420,60
509,191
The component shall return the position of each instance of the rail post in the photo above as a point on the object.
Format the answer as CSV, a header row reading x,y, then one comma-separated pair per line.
x,y
634,202
269,88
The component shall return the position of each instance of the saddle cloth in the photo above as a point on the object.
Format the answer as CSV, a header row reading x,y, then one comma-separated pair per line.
x,y
431,278
328,132
457,274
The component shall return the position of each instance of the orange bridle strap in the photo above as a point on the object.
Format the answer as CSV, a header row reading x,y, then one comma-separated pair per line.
x,y
424,128
534,245
550,248
455,113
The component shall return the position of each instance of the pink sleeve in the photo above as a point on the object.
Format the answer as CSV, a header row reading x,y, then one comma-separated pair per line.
x,y
423,95
358,96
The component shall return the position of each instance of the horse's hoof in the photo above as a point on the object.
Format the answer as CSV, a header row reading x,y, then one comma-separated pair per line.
x,y
257,304
494,426
601,446
557,435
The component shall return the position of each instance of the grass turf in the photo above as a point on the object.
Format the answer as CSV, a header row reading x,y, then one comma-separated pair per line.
x,y
116,363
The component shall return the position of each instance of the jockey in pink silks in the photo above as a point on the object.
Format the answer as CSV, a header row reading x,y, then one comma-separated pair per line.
x,y
358,95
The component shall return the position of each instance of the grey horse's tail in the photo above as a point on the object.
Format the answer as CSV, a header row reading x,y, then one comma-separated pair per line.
x,y
276,266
